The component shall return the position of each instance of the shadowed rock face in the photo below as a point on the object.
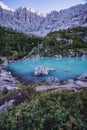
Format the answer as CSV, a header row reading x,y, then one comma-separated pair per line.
x,y
29,21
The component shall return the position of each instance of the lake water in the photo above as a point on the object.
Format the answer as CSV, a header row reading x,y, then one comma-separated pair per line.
x,y
65,68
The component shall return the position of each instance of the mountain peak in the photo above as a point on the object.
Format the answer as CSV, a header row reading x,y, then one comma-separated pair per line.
x,y
31,9
39,13
2,5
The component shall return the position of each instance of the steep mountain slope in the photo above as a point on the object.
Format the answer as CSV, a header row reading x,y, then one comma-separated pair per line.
x,y
29,21
68,18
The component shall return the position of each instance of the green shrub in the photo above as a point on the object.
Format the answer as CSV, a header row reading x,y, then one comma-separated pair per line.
x,y
47,111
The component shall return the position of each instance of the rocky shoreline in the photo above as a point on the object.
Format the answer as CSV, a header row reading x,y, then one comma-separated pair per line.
x,y
71,85
10,82
77,85
6,78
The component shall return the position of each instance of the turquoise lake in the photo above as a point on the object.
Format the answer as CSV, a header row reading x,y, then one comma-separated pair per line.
x,y
65,68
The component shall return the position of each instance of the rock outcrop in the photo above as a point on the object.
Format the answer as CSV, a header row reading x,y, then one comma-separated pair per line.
x,y
74,86
31,22
7,81
83,77
53,80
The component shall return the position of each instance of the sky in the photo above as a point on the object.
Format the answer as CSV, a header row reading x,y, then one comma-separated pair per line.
x,y
44,6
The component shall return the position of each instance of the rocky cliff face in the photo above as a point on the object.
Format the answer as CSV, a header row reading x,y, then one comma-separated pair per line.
x,y
29,21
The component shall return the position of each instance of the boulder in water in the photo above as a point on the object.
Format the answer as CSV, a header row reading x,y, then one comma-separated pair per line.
x,y
42,70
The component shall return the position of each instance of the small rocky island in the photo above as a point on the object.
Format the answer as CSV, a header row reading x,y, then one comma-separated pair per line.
x,y
42,70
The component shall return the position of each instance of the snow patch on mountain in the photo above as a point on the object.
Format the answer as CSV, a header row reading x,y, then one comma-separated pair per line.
x,y
5,6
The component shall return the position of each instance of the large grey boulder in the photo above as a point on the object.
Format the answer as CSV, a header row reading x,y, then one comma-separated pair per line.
x,y
53,80
83,77
5,105
81,84
58,56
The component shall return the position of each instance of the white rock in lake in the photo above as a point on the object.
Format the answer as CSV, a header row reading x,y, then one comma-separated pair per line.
x,y
42,70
